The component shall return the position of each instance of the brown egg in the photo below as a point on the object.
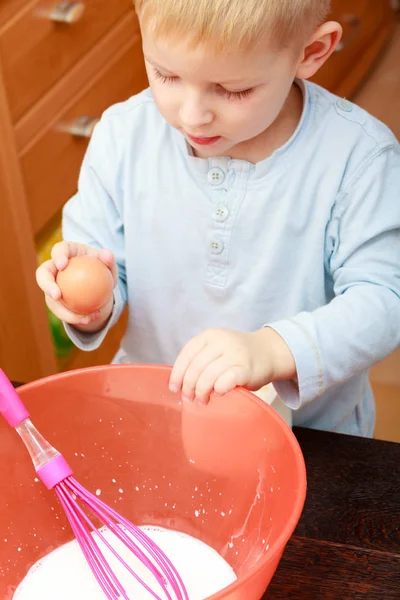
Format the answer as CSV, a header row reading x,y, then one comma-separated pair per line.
x,y
86,284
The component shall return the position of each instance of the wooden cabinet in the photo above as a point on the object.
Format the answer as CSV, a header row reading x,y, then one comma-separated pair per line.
x,y
61,64
366,27
37,51
50,164
8,8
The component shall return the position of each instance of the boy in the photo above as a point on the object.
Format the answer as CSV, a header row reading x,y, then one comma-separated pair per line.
x,y
252,219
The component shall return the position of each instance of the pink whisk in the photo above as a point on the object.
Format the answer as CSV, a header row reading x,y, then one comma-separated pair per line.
x,y
55,473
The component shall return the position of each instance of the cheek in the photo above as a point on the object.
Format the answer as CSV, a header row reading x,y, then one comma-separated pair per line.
x,y
262,111
250,117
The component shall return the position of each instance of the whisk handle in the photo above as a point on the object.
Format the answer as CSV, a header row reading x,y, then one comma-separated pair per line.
x,y
11,406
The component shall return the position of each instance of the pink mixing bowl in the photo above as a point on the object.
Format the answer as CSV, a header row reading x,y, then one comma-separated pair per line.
x,y
231,474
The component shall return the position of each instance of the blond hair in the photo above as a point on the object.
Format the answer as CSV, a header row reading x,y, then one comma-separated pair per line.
x,y
232,23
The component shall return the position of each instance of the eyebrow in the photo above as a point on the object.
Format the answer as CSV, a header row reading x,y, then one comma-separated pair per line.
x,y
154,64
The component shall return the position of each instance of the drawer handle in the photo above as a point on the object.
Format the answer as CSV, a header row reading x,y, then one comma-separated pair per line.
x,y
67,12
355,26
82,127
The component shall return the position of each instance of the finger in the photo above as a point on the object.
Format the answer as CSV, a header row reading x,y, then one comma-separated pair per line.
x,y
185,357
206,381
108,258
61,252
195,369
231,378
46,279
64,314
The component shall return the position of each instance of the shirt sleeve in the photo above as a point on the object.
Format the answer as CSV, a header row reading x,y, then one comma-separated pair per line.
x,y
93,217
361,324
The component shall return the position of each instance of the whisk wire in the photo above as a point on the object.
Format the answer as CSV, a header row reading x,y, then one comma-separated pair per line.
x,y
99,566
69,491
85,544
96,506
161,559
106,514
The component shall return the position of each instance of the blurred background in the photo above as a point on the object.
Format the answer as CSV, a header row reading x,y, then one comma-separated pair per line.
x,y
61,65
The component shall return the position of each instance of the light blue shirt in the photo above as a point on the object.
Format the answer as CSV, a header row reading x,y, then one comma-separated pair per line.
x,y
307,241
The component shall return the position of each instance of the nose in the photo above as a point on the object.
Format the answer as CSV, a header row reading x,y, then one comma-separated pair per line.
x,y
194,112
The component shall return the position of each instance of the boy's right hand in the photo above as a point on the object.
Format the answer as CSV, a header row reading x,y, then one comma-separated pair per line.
x,y
46,278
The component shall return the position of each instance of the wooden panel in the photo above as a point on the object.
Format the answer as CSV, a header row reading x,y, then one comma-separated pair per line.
x,y
387,399
361,70
366,24
8,8
26,349
351,498
51,165
316,570
65,91
388,372
36,52
347,543
381,93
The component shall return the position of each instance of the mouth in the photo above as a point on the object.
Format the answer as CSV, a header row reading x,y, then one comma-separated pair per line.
x,y
203,141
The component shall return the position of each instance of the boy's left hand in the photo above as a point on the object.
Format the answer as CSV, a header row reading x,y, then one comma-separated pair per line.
x,y
218,360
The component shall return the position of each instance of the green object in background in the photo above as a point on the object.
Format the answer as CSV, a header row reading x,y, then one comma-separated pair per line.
x,y
62,344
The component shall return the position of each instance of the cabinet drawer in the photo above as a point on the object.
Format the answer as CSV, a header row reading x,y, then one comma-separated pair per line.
x,y
51,165
36,51
362,20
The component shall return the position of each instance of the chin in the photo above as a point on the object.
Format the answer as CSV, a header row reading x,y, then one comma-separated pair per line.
x,y
222,148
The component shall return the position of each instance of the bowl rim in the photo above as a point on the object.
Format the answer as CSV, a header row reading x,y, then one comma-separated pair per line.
x,y
278,546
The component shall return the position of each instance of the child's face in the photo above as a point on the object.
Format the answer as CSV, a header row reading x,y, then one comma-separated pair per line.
x,y
218,102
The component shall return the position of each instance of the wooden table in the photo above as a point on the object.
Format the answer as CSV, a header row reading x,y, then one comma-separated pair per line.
x,y
347,543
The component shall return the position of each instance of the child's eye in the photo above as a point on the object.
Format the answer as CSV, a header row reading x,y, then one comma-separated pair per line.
x,y
238,95
227,93
164,78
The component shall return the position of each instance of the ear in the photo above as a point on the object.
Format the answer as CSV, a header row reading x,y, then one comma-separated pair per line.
x,y
318,49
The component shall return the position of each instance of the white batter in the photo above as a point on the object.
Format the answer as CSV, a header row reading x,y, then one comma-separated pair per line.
x,y
64,574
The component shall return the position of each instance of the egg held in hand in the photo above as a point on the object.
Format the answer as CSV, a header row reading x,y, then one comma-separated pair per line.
x,y
86,284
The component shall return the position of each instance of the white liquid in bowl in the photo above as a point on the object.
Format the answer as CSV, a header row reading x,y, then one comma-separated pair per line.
x,y
65,575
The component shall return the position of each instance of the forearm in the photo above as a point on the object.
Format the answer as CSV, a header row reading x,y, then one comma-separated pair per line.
x,y
343,338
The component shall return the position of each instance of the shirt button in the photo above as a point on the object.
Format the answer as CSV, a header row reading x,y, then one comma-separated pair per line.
x,y
216,176
345,105
216,246
221,214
